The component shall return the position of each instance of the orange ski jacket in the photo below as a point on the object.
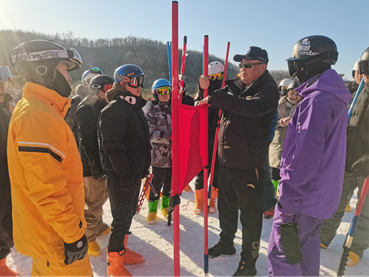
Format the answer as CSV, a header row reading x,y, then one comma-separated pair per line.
x,y
46,175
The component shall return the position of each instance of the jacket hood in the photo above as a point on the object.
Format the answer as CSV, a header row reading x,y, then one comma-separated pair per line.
x,y
329,82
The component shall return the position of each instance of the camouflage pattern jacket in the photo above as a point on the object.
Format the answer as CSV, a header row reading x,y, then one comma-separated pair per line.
x,y
159,117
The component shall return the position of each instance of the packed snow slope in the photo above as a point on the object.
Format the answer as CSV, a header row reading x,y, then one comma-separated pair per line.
x,y
155,243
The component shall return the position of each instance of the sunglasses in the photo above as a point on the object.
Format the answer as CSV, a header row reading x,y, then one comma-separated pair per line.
x,y
136,82
248,65
216,76
164,90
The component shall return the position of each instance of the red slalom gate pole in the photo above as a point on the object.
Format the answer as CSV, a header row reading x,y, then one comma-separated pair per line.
x,y
175,142
217,130
206,256
183,65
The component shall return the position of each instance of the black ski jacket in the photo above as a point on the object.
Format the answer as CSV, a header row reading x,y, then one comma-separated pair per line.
x,y
123,133
87,115
245,125
357,154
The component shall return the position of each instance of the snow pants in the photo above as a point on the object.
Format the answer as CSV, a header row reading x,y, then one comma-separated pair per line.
x,y
123,196
270,198
330,226
199,181
57,267
309,230
6,225
96,194
243,190
162,180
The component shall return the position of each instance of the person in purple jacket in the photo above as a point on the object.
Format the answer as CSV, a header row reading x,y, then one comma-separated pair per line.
x,y
313,160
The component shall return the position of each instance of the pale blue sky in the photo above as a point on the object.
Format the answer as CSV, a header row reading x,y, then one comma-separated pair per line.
x,y
275,25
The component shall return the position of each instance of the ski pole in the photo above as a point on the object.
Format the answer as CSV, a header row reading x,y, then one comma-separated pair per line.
x,y
352,230
169,51
217,130
183,66
355,98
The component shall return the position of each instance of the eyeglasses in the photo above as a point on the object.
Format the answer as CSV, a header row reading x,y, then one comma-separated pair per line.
x,y
248,65
164,90
136,82
216,76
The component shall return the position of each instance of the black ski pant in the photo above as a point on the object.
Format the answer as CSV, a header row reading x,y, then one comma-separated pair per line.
x,y
123,196
199,182
6,226
241,189
162,180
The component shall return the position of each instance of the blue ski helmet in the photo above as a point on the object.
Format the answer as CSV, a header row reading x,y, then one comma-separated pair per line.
x,y
159,83
133,72
89,74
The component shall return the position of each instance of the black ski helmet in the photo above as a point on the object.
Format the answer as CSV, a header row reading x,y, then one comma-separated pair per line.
x,y
311,51
364,62
37,60
99,82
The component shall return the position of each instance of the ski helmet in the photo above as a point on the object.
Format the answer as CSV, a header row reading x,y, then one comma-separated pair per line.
x,y
215,67
292,85
284,83
159,83
355,68
311,51
133,72
101,82
37,60
364,62
89,74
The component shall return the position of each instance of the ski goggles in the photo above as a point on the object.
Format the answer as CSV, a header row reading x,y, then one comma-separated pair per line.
x,y
364,67
216,76
96,70
164,90
136,82
248,65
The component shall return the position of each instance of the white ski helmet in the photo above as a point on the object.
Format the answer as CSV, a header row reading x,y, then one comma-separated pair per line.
x,y
285,82
356,65
215,67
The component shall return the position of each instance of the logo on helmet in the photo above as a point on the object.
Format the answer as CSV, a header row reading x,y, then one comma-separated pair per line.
x,y
304,48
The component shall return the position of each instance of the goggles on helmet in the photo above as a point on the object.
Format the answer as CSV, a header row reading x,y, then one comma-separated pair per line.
x,y
96,70
163,90
136,82
364,67
216,76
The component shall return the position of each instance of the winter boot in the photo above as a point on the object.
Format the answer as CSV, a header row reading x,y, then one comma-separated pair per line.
x,y
5,270
213,200
116,265
348,208
221,248
107,231
151,216
94,249
353,259
164,205
244,270
131,257
199,201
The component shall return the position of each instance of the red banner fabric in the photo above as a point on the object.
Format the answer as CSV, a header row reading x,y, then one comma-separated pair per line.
x,y
192,144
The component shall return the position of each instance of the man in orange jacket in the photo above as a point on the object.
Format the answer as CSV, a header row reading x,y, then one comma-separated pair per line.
x,y
44,164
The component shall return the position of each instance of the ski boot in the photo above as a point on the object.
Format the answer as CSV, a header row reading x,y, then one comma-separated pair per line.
x,y
5,270
151,216
131,257
94,249
164,204
213,200
199,201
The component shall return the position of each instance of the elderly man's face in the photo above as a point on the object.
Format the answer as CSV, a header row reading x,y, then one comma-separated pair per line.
x,y
248,75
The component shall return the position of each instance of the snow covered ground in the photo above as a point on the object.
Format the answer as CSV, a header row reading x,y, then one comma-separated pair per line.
x,y
156,244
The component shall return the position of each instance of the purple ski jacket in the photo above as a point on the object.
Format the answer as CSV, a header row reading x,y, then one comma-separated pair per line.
x,y
314,152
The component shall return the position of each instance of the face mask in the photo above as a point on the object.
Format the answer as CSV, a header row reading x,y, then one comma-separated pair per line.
x,y
60,85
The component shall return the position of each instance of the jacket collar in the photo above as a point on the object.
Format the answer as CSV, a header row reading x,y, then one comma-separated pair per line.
x,y
50,97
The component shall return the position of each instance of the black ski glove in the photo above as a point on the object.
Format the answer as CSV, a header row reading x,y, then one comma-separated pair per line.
x,y
361,167
75,251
